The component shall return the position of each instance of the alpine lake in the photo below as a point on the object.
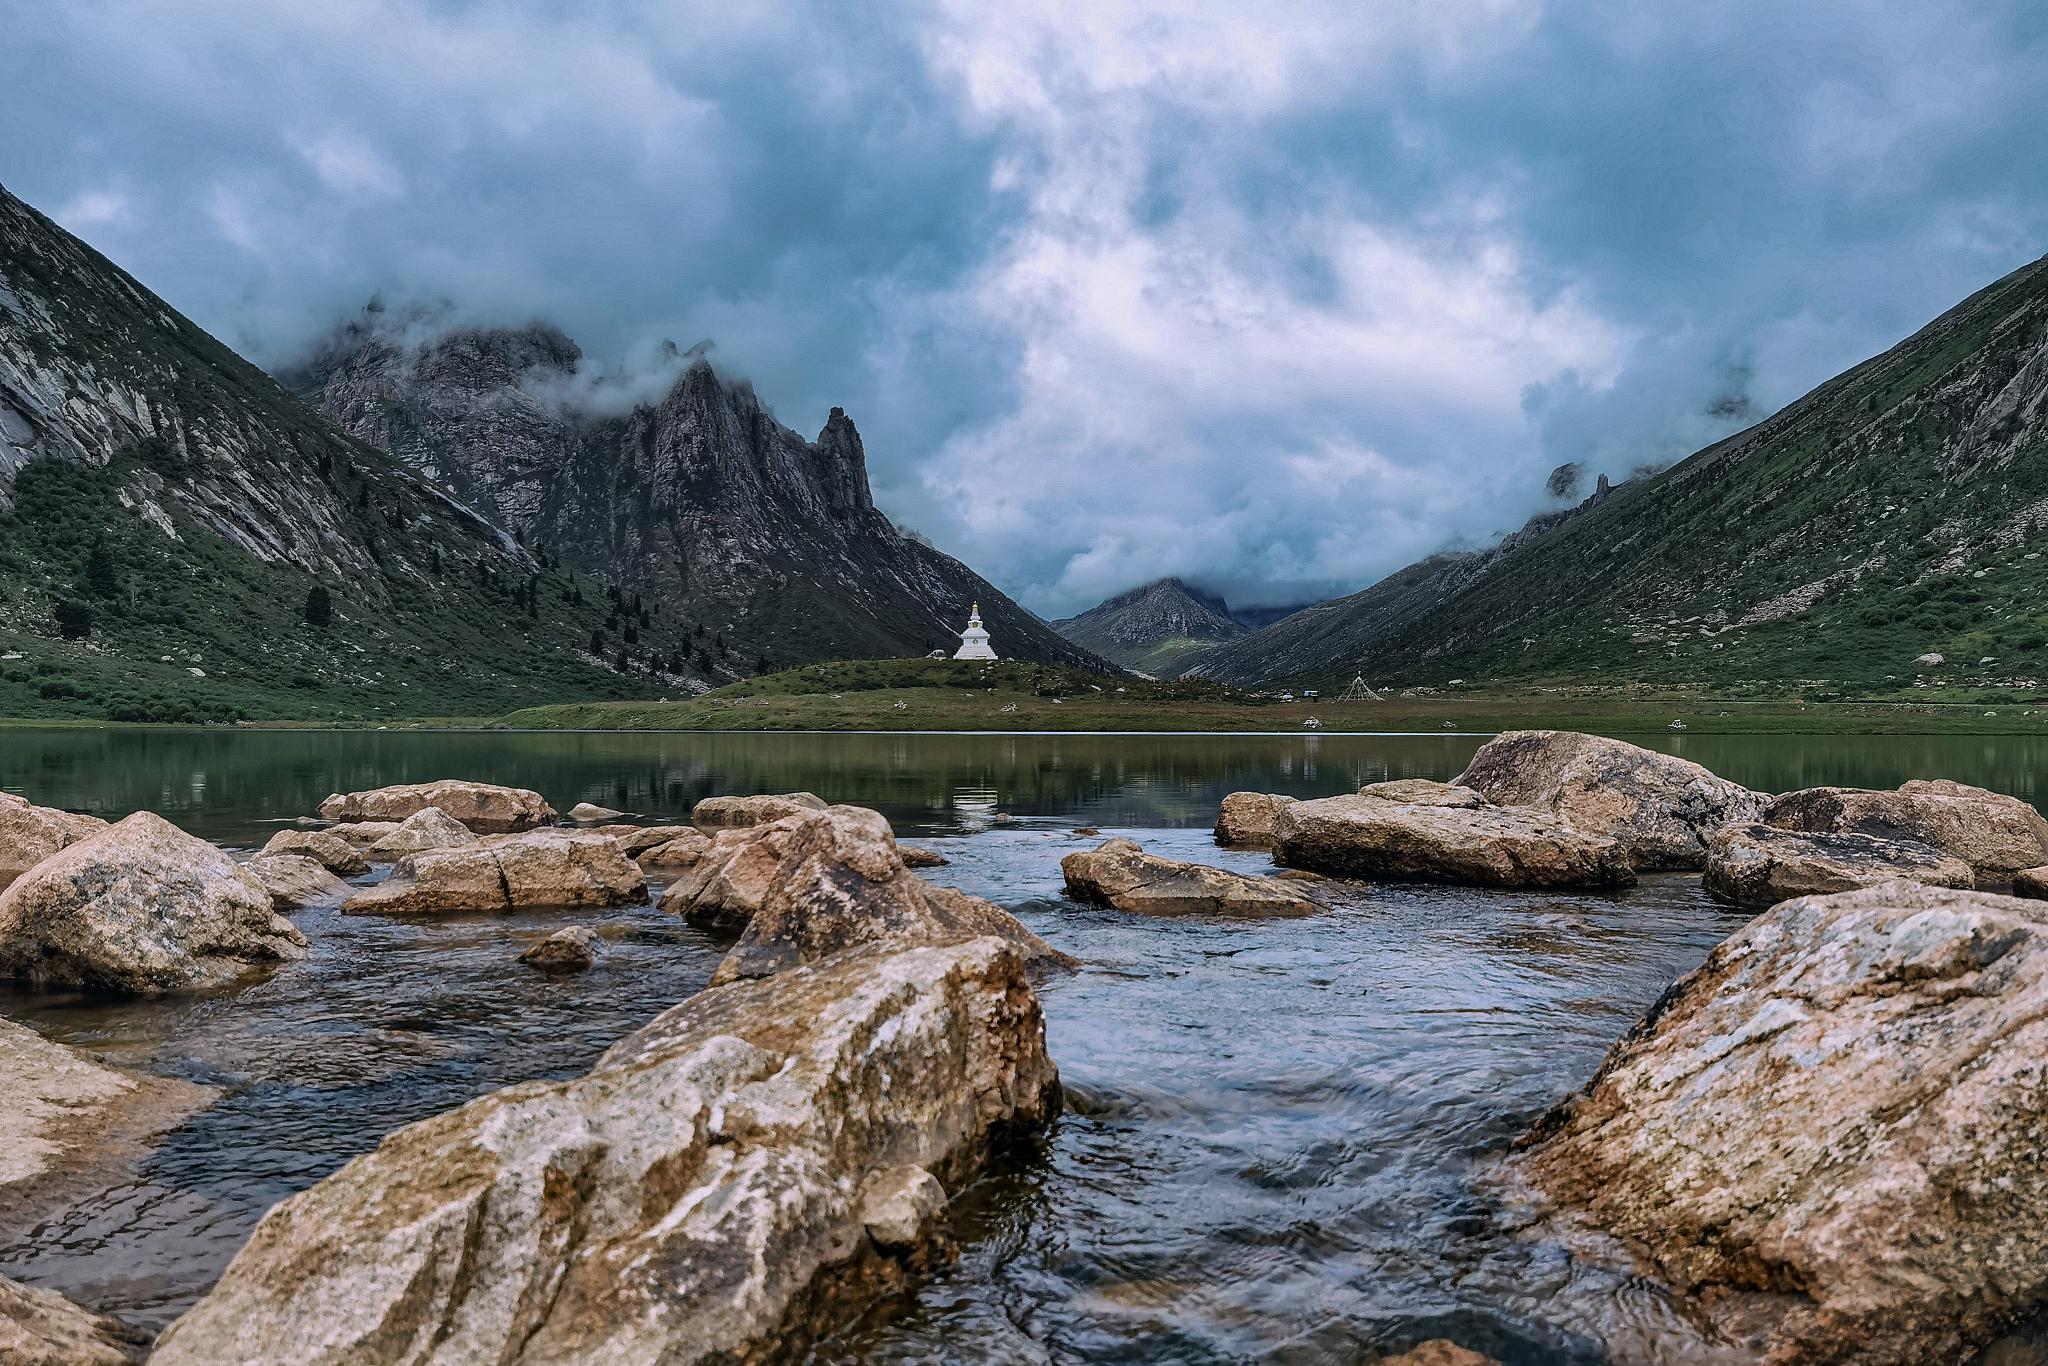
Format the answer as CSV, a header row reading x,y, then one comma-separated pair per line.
x,y
1276,1132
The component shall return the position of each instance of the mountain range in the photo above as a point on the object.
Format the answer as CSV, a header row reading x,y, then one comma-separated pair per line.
x,y
1158,628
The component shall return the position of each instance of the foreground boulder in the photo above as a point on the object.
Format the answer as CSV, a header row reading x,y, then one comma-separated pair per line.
x,y
566,950
1832,1130
296,882
42,1328
140,907
736,813
1662,809
1760,865
1437,832
1245,820
729,1183
1121,874
30,833
337,855
819,882
484,807
542,869
1995,834
432,828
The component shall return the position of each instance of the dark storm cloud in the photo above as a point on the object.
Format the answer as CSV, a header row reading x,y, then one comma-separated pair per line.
x,y
1277,297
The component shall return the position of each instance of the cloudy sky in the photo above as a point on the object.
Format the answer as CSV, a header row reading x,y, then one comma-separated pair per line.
x,y
1277,296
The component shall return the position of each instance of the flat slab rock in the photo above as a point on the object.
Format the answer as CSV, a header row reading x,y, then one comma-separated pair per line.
x,y
537,870
727,1184
1831,1130
1760,865
1437,832
1122,875
1662,809
485,808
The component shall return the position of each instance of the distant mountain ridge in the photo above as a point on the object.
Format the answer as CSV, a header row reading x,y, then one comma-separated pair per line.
x,y
699,499
1896,513
1157,628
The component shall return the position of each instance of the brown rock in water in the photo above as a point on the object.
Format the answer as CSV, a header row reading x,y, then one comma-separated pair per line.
x,y
705,1194
2031,882
737,813
1662,809
678,851
337,855
484,807
295,881
1440,833
636,840
1760,865
1832,1130
566,950
1439,1352
432,828
819,882
140,907
42,1328
1995,834
30,833
1121,874
360,834
1245,819
917,856
541,869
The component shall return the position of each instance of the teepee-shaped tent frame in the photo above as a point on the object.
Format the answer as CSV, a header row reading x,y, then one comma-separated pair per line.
x,y
1358,692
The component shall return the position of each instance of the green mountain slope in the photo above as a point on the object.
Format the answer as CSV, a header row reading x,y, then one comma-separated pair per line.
x,y
167,513
1898,511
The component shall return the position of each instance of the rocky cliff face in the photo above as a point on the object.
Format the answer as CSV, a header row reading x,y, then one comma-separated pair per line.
x,y
1897,511
699,499
1156,628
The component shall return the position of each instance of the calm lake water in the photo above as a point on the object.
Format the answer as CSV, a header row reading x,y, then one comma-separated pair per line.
x,y
1277,1132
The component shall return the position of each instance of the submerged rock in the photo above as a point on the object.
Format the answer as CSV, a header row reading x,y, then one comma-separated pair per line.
x,y
1759,865
1121,874
1832,1129
705,1194
589,813
30,833
42,1328
566,950
1661,808
1995,834
1436,832
541,869
295,881
432,828
140,907
1245,819
917,856
1440,1352
736,813
484,807
325,847
819,882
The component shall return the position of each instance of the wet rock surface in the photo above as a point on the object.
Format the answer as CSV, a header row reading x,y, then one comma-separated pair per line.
x,y
1995,834
538,869
141,907
485,808
1831,1130
1121,874
566,950
1759,865
1438,832
695,1197
1661,808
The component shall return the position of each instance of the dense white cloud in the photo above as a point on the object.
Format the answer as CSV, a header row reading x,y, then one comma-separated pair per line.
x,y
1276,296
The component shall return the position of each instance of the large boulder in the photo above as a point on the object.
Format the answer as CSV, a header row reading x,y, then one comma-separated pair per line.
x,y
484,807
819,882
1437,832
541,869
1245,819
1760,865
1995,834
140,907
337,855
726,1185
432,828
1832,1130
1662,809
296,882
30,833
42,1328
1121,874
736,813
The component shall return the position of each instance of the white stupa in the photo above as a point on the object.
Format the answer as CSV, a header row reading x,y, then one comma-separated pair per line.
x,y
974,640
